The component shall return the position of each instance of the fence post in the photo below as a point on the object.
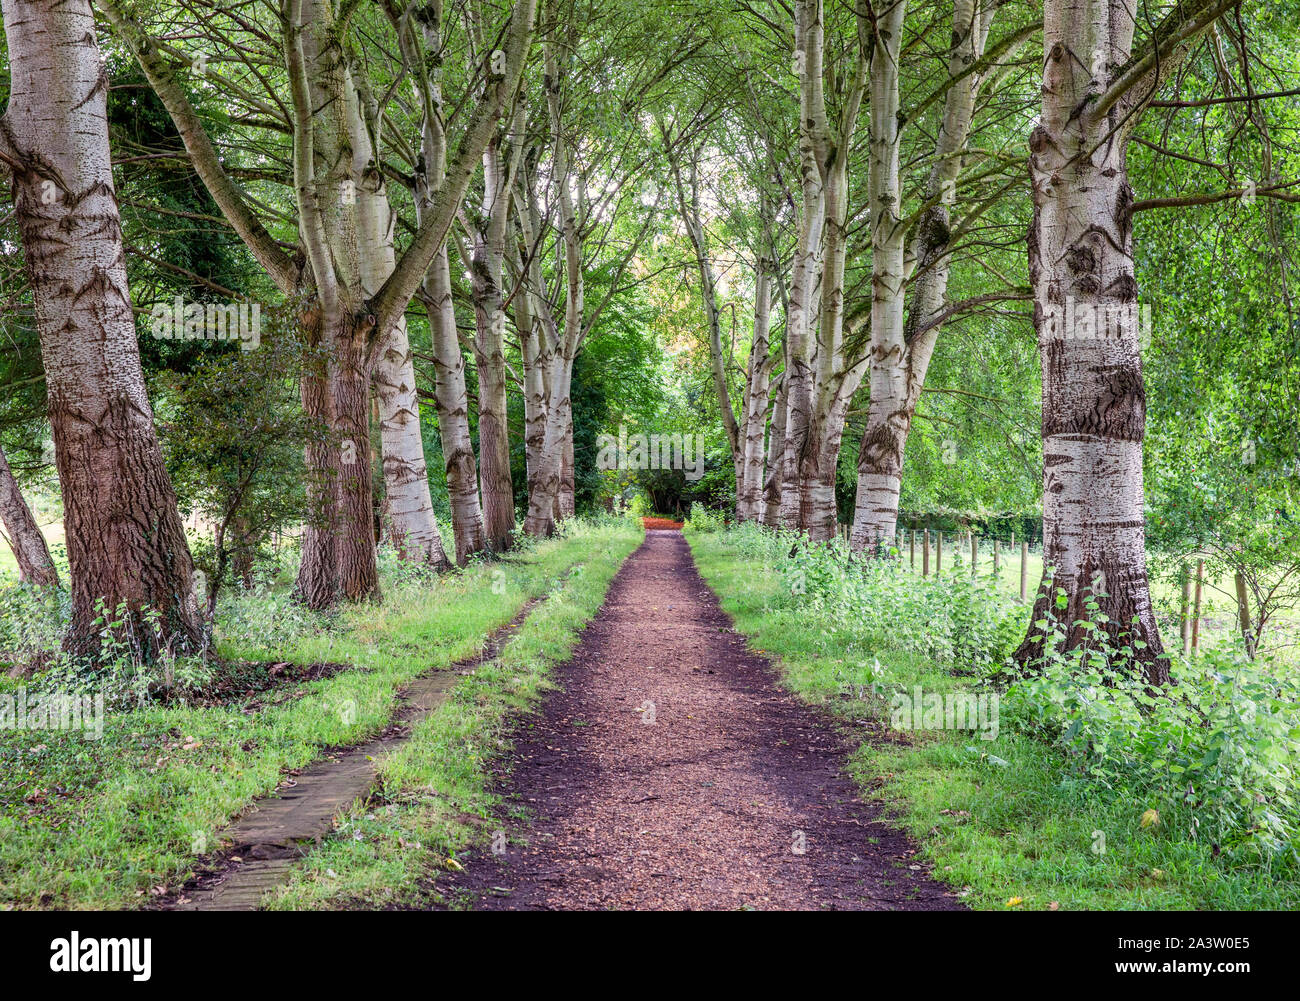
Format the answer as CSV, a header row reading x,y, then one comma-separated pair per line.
x,y
974,553
1243,615
1024,572
911,537
925,554
938,553
1186,623
997,561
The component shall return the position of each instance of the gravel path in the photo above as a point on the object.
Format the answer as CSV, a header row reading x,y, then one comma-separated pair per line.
x,y
670,772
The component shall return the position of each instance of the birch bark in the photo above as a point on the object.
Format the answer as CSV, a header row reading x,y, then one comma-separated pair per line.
x,y
901,347
1086,317
408,504
487,256
821,378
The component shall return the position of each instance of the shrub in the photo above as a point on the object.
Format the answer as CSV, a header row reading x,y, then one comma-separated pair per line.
x,y
32,623
703,519
1219,748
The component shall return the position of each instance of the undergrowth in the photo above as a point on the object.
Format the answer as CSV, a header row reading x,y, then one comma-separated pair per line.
x,y
1096,791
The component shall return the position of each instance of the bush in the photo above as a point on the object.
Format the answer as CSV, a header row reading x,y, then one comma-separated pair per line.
x,y
954,619
703,519
32,623
1218,750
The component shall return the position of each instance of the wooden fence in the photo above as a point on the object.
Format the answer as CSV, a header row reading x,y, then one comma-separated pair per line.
x,y
931,544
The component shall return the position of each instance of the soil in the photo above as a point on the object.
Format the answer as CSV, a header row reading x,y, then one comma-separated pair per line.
x,y
244,683
670,771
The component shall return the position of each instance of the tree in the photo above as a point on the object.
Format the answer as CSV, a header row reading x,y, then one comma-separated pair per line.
x,y
126,543
233,436
422,43
745,434
23,533
485,254
902,338
1085,315
338,311
575,205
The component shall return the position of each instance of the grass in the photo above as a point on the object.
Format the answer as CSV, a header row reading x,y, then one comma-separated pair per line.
x,y
104,823
1001,821
435,797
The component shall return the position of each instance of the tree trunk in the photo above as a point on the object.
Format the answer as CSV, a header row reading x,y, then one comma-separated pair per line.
x,y
317,585
324,112
23,534
775,455
901,349
547,496
358,564
1085,315
453,412
819,515
544,503
245,549
126,543
493,431
821,378
568,499
749,485
408,504
494,441
450,396
536,361
486,259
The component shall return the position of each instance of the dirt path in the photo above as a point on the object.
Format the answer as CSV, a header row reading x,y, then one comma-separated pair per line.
x,y
670,772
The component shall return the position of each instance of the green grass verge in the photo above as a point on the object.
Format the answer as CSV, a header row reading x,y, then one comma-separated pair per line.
x,y
435,789
105,823
1017,830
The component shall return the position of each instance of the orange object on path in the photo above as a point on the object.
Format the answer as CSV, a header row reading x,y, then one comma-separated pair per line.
x,y
660,523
